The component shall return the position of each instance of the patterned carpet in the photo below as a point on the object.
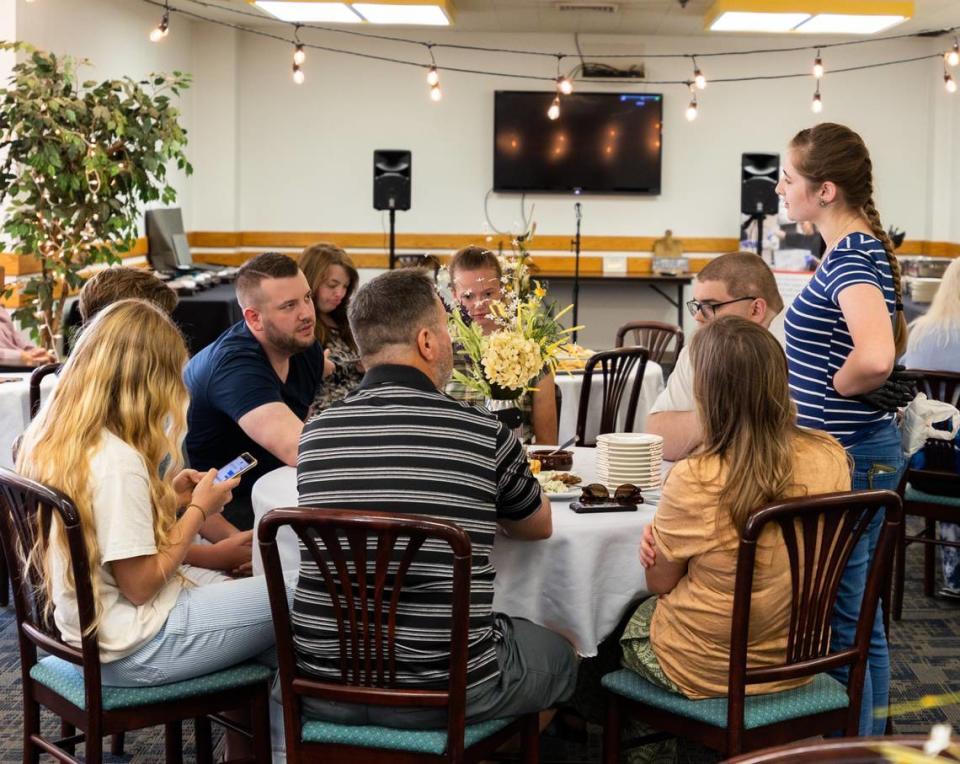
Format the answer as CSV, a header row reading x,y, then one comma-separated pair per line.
x,y
925,655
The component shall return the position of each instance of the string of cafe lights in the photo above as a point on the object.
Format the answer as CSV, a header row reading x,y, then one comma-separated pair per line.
x,y
562,82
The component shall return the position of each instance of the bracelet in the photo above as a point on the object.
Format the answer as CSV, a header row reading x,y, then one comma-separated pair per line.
x,y
204,514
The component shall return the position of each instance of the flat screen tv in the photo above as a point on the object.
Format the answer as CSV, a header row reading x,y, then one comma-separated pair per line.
x,y
601,143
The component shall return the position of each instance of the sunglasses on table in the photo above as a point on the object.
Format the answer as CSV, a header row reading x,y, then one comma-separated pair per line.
x,y
710,308
597,493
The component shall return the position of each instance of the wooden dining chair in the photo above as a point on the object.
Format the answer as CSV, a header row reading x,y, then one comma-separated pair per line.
x,y
932,493
36,377
655,336
366,588
819,532
860,750
67,681
615,369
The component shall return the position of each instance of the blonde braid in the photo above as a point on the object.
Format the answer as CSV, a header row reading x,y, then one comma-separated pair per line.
x,y
876,227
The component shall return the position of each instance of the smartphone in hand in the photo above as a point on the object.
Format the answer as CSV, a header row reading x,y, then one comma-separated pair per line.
x,y
238,466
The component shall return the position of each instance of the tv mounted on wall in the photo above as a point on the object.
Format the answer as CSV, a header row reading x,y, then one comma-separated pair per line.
x,y
601,143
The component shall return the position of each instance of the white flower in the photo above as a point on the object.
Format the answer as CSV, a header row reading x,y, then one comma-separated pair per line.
x,y
511,360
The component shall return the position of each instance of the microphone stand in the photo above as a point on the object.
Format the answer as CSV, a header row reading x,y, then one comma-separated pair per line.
x,y
576,270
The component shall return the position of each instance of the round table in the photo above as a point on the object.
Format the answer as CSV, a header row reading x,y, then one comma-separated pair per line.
x,y
579,582
15,409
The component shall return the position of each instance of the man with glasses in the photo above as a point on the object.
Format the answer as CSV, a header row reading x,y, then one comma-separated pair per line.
x,y
735,284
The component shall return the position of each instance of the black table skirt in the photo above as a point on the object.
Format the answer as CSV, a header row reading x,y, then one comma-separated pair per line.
x,y
202,317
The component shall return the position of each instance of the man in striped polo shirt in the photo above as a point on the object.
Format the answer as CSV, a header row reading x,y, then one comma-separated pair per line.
x,y
398,444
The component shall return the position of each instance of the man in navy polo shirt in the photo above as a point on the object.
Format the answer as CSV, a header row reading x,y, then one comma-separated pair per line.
x,y
251,388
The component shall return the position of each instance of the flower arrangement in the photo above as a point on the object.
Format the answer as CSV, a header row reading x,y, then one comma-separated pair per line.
x,y
529,337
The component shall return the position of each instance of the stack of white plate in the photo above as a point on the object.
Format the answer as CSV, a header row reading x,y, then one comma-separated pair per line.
x,y
923,289
629,457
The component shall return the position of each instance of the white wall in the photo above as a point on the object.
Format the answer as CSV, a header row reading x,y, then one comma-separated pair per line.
x,y
306,151
270,155
113,36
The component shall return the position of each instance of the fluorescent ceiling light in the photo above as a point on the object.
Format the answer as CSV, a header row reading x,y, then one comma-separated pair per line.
x,y
836,23
404,13
809,16
745,21
303,11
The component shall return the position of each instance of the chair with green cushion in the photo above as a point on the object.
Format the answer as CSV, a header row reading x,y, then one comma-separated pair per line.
x,y
67,681
364,559
932,493
820,532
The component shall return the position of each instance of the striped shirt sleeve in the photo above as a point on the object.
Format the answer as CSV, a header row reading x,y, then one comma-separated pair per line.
x,y
518,492
847,269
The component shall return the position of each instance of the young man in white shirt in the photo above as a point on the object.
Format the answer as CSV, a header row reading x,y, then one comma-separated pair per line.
x,y
735,284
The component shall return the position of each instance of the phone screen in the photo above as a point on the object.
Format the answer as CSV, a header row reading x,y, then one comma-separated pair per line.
x,y
237,467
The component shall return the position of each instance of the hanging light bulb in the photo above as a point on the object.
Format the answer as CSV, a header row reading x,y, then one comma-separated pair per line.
x,y
564,85
818,66
162,29
698,79
817,104
693,108
554,111
953,56
949,82
298,75
435,93
433,76
299,55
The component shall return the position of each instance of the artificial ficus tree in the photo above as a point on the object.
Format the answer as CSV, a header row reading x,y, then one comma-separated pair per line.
x,y
78,161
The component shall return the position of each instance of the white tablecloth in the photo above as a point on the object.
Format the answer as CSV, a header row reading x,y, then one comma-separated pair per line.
x,y
578,582
570,385
15,409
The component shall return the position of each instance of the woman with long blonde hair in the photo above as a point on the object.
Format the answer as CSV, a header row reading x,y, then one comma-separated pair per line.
x,y
752,453
934,345
111,439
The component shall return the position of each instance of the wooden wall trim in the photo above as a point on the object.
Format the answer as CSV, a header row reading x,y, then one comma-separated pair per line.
x,y
226,240
26,265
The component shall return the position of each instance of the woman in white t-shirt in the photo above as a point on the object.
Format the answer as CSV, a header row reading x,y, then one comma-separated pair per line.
x,y
110,438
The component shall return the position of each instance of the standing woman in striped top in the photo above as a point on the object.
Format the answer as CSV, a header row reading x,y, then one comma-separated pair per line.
x,y
843,332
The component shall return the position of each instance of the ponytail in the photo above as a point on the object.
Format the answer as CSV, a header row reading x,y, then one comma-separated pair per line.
x,y
899,320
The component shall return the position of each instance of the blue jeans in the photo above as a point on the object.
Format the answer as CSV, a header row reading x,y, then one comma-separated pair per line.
x,y
881,449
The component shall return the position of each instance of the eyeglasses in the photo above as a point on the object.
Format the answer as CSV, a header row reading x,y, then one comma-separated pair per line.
x,y
709,309
597,493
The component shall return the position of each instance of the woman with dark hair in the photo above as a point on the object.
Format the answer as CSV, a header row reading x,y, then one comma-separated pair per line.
x,y
752,453
844,331
333,280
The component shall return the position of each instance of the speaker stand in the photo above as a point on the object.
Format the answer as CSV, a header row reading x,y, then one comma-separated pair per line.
x,y
393,240
758,217
576,271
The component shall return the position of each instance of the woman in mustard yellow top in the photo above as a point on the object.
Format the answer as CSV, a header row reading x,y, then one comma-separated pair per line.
x,y
753,453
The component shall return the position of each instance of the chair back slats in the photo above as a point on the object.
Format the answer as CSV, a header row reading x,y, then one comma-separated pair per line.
x,y
616,368
819,533
28,508
655,336
940,385
400,578
365,580
940,454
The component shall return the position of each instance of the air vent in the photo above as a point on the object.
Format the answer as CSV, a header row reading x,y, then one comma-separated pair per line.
x,y
588,7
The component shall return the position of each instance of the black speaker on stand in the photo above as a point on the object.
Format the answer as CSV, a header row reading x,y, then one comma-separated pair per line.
x,y
391,187
759,174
